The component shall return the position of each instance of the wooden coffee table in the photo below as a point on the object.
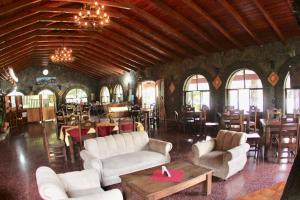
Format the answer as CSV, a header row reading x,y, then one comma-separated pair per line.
x,y
140,184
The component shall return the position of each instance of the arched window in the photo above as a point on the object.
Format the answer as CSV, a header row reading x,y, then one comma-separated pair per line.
x,y
118,93
104,95
244,89
76,95
292,96
196,92
48,98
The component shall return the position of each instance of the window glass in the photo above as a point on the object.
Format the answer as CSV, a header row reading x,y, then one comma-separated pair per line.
x,y
292,96
76,96
118,93
196,91
245,89
104,95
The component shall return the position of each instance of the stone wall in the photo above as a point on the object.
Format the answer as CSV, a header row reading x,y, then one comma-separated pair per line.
x,y
66,79
256,58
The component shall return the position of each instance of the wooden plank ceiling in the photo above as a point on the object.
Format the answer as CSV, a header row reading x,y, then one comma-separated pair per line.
x,y
142,33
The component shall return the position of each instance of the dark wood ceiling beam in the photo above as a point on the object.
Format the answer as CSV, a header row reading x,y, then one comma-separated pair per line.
x,y
241,20
163,40
192,4
185,22
132,44
166,28
81,66
147,42
270,20
99,64
78,69
12,7
102,2
113,55
94,53
85,63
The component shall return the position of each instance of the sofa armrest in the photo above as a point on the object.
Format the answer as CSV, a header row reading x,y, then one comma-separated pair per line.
x,y
160,146
114,194
49,184
201,148
236,152
90,161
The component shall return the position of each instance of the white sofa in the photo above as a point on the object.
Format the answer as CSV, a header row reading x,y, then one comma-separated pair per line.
x,y
77,185
120,154
226,154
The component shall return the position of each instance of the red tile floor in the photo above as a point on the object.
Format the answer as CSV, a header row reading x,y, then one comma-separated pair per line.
x,y
25,151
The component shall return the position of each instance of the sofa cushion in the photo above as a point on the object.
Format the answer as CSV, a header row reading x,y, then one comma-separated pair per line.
x,y
213,159
86,192
229,139
80,180
131,162
112,145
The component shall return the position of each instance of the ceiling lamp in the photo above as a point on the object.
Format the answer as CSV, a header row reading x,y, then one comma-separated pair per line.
x,y
62,54
92,16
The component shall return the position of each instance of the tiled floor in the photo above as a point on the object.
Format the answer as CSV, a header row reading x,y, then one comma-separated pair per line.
x,y
25,152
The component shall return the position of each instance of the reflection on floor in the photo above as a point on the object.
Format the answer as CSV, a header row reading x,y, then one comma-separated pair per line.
x,y
25,152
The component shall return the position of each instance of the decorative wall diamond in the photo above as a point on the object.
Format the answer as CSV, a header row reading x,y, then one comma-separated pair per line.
x,y
273,78
217,82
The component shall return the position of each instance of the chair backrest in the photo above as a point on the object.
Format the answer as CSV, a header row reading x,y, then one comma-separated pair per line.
x,y
274,114
289,127
228,108
237,121
229,139
112,145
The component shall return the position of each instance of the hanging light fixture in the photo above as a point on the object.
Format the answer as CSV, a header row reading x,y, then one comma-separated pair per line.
x,y
62,54
92,16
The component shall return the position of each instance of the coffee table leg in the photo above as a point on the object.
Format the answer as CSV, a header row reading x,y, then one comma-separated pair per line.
x,y
207,184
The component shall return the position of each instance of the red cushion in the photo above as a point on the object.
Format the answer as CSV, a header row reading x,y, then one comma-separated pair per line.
x,y
127,127
104,130
74,133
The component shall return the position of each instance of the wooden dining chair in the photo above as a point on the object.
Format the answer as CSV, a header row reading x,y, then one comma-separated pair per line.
x,y
236,121
253,118
188,120
55,151
288,139
274,114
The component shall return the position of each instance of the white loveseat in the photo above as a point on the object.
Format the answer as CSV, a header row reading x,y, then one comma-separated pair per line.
x,y
120,154
77,185
226,154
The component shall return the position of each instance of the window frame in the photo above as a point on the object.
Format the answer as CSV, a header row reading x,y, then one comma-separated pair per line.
x,y
201,91
76,89
247,88
101,96
121,94
286,89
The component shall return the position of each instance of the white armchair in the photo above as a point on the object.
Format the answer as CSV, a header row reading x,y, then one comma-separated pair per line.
x,y
226,154
77,185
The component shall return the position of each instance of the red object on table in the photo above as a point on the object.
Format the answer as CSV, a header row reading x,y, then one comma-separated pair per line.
x,y
104,130
176,176
74,133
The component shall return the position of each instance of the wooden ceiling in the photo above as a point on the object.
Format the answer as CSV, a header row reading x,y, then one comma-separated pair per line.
x,y
142,33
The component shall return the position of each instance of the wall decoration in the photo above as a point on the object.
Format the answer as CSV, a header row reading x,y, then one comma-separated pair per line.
x,y
172,87
217,82
60,93
273,78
46,81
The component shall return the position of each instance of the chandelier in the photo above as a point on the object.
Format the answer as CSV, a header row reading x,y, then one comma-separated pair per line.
x,y
92,16
62,54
